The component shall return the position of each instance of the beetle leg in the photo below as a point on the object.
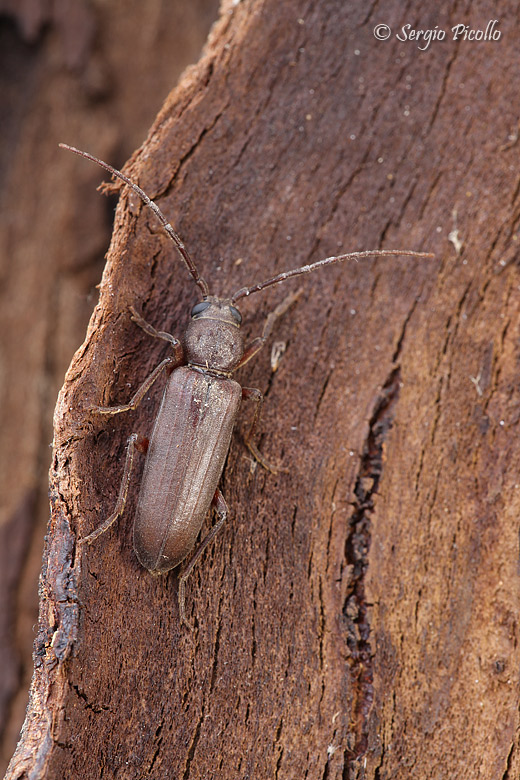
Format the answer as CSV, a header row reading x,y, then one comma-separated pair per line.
x,y
156,334
254,394
219,503
257,344
134,442
140,394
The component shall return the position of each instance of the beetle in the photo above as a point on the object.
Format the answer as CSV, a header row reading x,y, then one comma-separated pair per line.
x,y
192,431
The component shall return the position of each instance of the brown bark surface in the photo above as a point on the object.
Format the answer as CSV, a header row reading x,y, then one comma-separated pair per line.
x,y
94,74
357,616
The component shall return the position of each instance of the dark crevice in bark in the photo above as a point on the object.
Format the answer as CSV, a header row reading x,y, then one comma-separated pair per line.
x,y
355,607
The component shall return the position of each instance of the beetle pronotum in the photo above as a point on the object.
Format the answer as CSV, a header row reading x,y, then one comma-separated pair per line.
x,y
193,428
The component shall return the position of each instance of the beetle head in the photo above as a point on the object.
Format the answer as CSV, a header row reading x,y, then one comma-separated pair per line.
x,y
213,337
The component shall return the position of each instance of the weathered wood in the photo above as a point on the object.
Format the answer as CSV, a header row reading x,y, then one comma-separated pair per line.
x,y
357,615
93,73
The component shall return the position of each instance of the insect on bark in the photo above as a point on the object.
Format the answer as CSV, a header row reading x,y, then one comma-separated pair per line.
x,y
192,431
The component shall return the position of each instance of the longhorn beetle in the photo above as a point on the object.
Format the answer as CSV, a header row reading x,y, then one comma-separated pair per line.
x,y
192,431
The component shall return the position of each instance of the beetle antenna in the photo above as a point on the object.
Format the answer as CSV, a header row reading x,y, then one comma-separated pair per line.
x,y
305,269
181,249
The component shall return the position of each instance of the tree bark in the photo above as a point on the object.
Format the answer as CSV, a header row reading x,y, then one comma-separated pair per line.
x,y
356,617
94,74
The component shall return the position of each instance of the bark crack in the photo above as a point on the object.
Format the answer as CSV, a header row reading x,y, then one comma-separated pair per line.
x,y
509,761
193,747
357,546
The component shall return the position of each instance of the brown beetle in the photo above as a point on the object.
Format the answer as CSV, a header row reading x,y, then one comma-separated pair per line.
x,y
192,431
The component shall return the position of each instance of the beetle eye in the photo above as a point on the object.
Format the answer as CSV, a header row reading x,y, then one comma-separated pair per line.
x,y
236,315
199,308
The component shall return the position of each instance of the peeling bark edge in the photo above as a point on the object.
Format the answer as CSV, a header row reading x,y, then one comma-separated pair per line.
x,y
53,646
